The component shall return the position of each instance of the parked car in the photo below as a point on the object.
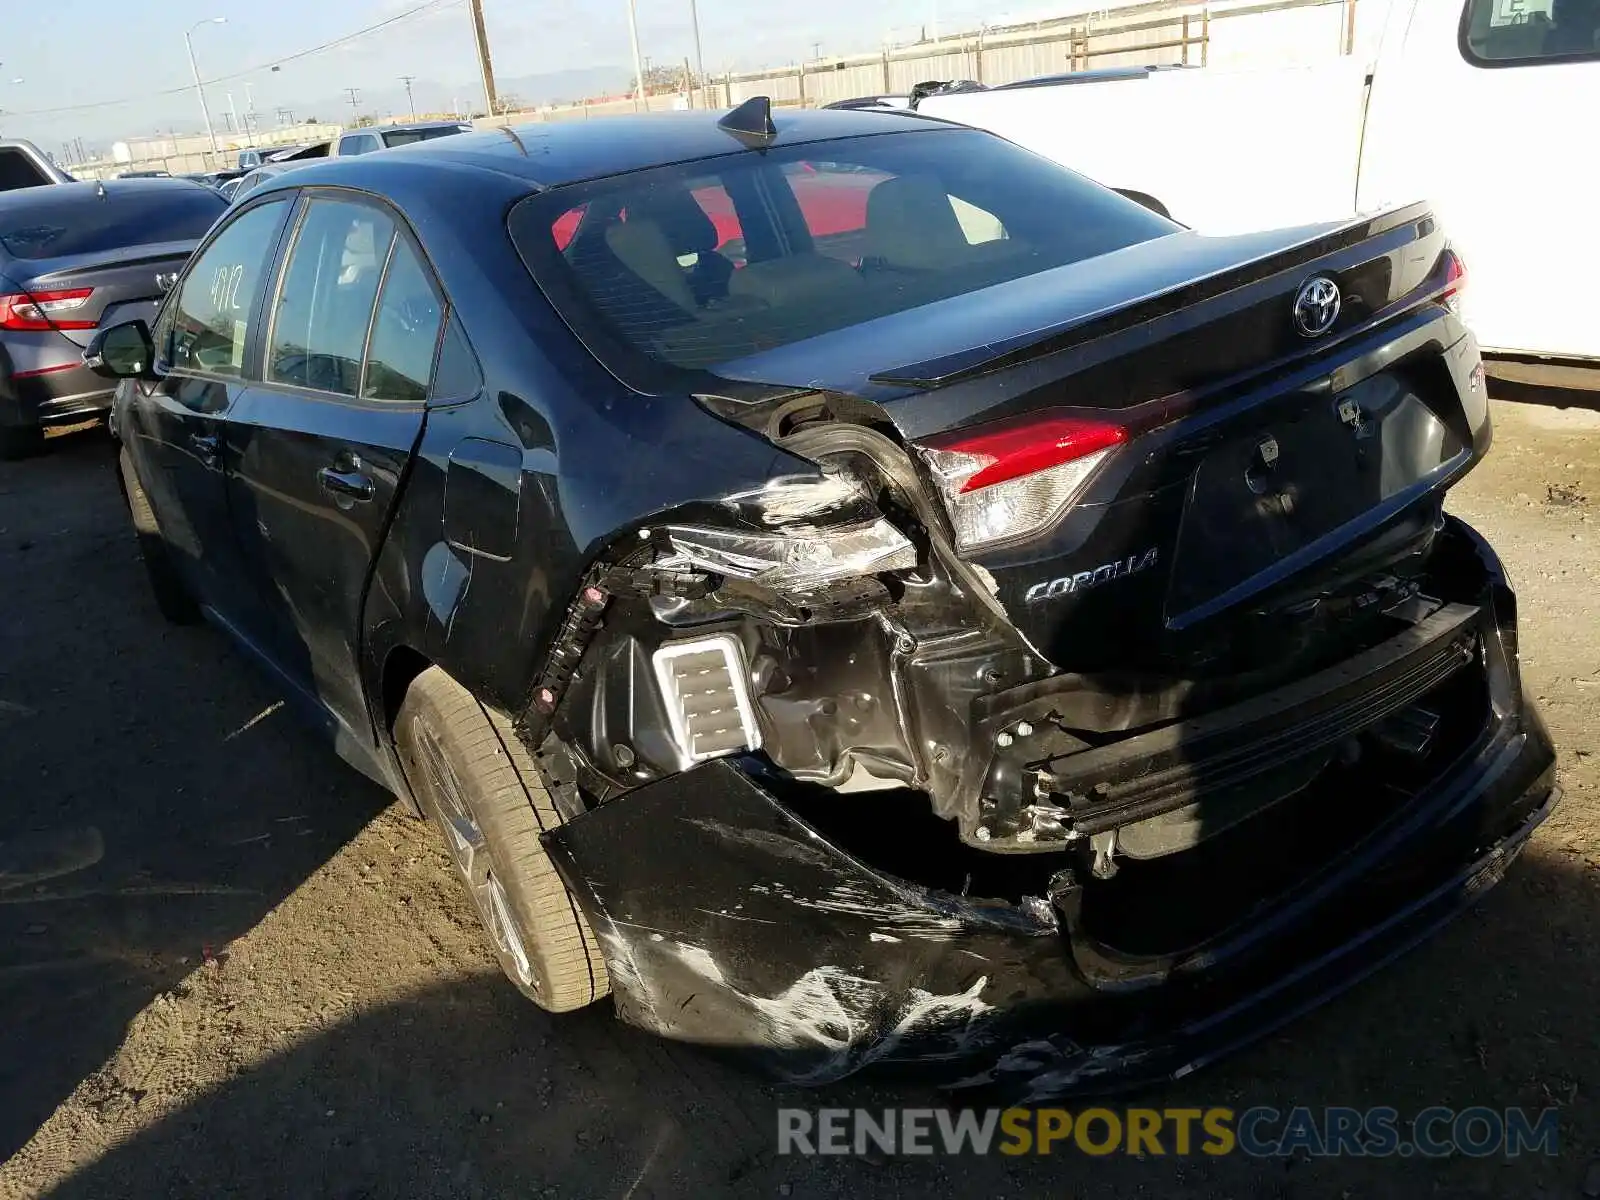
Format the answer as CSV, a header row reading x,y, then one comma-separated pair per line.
x,y
24,165
236,189
255,156
384,137
145,175
69,256
1018,611
1232,149
212,179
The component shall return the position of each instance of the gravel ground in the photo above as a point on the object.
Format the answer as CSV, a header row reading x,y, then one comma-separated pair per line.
x,y
228,966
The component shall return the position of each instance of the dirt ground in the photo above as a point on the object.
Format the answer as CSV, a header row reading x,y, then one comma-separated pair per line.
x,y
228,966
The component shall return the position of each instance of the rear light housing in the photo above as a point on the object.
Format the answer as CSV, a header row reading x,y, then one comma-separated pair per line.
x,y
798,535
797,560
1014,480
40,312
1455,281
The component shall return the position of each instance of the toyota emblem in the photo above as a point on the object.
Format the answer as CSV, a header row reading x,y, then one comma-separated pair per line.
x,y
1316,306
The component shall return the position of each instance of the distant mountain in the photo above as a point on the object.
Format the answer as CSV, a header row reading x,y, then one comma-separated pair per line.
x,y
434,96
576,83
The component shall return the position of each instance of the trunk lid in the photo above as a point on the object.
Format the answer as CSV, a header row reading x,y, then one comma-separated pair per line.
x,y
1262,465
137,276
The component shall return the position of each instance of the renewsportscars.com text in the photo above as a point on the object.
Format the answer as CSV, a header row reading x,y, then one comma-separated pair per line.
x,y
1261,1132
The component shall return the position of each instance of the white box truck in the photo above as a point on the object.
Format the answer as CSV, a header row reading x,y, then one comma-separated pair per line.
x,y
1486,108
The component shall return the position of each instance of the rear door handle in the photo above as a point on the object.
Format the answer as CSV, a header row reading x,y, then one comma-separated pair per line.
x,y
205,447
347,485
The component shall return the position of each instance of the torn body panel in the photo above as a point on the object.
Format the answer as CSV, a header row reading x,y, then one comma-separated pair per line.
x,y
730,923
820,932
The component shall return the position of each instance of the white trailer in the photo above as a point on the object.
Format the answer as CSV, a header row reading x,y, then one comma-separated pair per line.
x,y
1486,108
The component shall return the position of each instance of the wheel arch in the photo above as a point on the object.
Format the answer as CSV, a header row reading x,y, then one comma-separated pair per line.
x,y
401,665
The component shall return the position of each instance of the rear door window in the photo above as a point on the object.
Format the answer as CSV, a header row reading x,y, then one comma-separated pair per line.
x,y
405,332
325,302
211,319
1504,33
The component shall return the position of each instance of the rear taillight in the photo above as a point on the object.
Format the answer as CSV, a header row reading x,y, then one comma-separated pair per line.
x,y
35,312
1013,480
1455,281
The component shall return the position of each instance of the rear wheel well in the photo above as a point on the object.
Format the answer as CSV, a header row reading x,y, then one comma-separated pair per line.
x,y
402,666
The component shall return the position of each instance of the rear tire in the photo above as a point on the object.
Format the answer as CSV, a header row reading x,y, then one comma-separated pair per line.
x,y
20,441
171,596
474,778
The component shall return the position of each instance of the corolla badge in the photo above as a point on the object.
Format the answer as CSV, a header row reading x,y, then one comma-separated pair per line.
x,y
1069,585
1316,306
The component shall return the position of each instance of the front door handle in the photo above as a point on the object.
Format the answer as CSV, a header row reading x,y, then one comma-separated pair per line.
x,y
206,447
346,486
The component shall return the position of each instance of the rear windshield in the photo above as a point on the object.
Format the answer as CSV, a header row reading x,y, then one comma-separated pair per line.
x,y
72,219
406,137
699,264
17,170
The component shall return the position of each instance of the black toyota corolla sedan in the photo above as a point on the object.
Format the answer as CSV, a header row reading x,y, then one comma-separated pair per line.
x,y
853,590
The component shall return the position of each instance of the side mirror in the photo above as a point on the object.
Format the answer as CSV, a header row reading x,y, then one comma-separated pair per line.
x,y
122,351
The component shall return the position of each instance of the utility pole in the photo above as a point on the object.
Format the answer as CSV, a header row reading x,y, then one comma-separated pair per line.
x,y
485,66
199,89
410,103
699,56
355,103
233,112
638,67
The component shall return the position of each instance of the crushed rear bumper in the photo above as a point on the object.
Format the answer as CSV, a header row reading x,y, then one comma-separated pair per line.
x,y
728,921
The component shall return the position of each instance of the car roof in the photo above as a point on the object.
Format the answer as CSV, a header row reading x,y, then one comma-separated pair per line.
x,y
73,195
401,126
550,154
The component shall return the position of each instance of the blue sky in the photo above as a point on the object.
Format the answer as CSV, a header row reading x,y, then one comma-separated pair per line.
x,y
82,52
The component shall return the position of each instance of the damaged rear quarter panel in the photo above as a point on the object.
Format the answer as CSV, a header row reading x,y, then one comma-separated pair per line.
x,y
691,882
593,464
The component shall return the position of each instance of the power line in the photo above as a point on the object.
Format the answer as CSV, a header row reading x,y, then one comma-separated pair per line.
x,y
271,64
